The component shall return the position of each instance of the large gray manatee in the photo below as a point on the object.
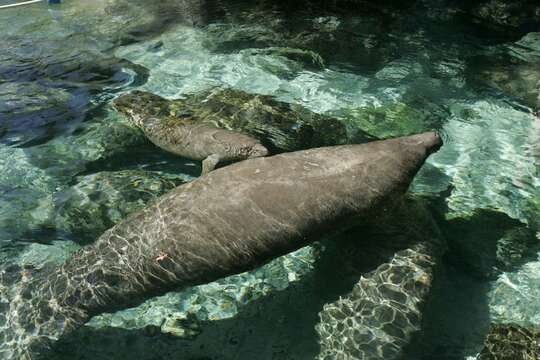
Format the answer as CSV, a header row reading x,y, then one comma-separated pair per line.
x,y
229,221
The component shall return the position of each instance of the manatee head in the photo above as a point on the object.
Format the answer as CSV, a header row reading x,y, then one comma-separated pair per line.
x,y
257,150
234,146
141,105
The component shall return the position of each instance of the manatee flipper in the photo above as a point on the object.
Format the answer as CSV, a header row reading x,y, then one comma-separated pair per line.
x,y
209,164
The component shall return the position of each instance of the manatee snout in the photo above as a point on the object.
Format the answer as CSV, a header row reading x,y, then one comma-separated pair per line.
x,y
258,150
433,141
430,141
124,102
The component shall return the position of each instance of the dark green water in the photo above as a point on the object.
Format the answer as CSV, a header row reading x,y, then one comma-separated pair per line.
x,y
70,167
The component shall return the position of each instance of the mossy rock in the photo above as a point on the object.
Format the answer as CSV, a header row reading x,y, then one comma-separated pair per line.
x,y
283,126
511,342
512,76
99,201
396,119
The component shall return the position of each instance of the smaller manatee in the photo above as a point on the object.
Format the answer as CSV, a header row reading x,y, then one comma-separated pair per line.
x,y
181,135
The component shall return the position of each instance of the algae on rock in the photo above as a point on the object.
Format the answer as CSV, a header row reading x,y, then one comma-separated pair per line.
x,y
511,342
99,201
386,121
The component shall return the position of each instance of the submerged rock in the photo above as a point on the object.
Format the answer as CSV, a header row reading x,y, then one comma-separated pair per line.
x,y
25,195
309,58
490,160
99,201
513,297
394,119
378,318
55,93
102,140
513,69
521,81
489,242
511,342
320,33
514,14
37,256
118,22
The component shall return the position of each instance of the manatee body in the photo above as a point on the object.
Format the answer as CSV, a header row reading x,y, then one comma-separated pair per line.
x,y
185,137
229,221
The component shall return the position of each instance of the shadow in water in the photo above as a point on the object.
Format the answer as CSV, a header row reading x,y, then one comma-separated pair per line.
x,y
457,316
278,326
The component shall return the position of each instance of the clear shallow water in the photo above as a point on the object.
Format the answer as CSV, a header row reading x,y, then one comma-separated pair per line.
x,y
70,166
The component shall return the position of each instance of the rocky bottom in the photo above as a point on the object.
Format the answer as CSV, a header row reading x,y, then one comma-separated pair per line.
x,y
511,342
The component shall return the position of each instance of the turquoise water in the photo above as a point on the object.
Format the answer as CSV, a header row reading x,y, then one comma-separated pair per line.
x,y
70,167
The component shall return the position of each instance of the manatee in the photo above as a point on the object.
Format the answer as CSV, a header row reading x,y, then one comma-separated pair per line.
x,y
229,221
278,125
182,135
